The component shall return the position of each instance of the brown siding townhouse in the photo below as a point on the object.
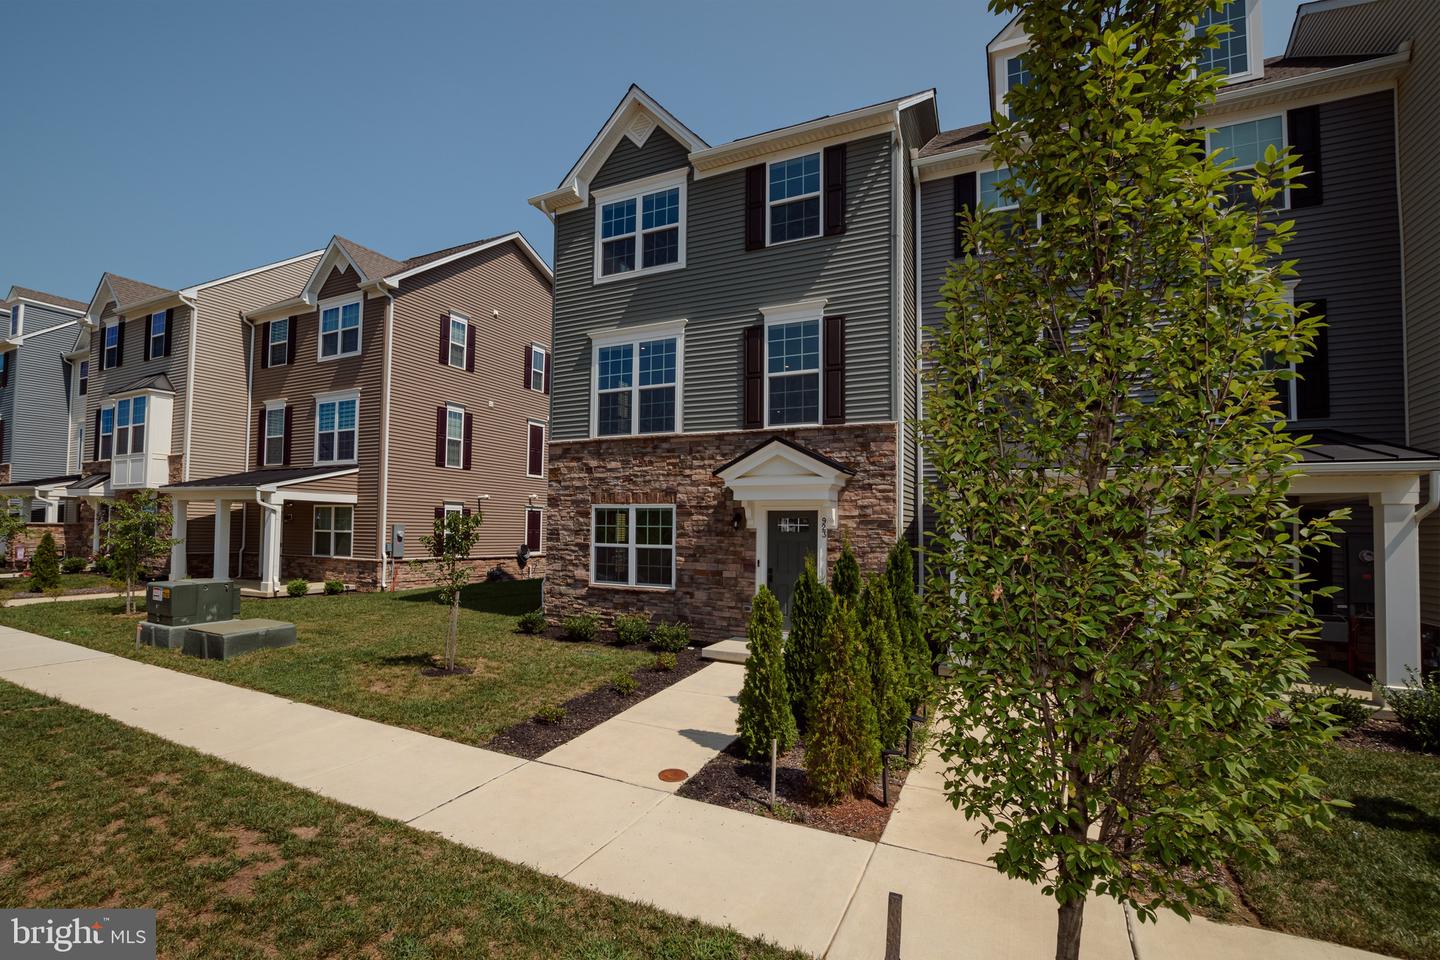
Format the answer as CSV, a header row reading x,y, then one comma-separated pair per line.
x,y
383,394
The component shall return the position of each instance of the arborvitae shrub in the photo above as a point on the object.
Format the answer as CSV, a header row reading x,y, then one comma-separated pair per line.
x,y
810,606
765,711
45,566
919,660
845,578
842,747
889,680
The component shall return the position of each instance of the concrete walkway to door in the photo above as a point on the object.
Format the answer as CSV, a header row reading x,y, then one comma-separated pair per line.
x,y
597,815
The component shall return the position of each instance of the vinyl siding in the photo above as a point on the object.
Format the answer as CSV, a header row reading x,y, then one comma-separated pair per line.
x,y
914,132
134,367
37,431
661,154
722,287
937,247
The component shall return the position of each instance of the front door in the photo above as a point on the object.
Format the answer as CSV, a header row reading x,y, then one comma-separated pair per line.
x,y
790,540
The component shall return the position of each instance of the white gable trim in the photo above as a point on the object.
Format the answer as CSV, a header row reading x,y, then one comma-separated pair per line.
x,y
516,237
778,474
334,256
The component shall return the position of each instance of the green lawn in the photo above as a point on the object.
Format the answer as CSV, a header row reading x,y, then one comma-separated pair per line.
x,y
20,586
1373,879
93,813
362,653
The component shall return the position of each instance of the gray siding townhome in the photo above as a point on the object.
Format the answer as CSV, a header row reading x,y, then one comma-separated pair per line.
x,y
733,332
1345,96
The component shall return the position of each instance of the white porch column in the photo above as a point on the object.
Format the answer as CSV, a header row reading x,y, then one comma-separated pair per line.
x,y
95,529
177,532
269,548
1397,584
222,540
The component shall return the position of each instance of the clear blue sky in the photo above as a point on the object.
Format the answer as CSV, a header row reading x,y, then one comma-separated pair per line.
x,y
176,142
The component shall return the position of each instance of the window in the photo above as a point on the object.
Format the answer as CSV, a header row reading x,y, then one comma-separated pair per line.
x,y
537,368
792,372
84,385
1245,143
4,369
534,524
633,546
107,432
129,426
278,344
641,229
16,320
1232,56
335,429
637,401
993,197
274,435
459,339
794,207
37,512
1016,75
340,329
334,531
156,332
110,357
455,437
535,450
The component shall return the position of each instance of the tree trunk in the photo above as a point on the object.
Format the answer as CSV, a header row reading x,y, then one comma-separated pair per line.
x,y
129,594
1067,932
452,642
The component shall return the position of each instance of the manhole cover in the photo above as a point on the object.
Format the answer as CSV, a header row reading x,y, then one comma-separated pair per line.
x,y
673,775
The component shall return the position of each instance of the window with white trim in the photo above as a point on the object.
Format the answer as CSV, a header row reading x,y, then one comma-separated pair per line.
x,y
792,372
274,435
155,330
459,340
643,230
107,432
110,343
537,367
1232,55
454,436
793,209
277,344
633,546
535,449
334,531
129,426
636,387
1242,145
335,429
16,320
83,387
992,194
340,329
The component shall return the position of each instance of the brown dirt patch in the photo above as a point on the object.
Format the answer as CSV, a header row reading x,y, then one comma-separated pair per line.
x,y
240,885
249,842
306,833
1387,736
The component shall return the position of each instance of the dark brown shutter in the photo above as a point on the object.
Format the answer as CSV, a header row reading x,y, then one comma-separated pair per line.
x,y
289,431
119,343
4,370
260,438
754,379
464,511
1304,134
264,345
1312,389
445,340
834,369
529,350
3,458
97,436
532,530
965,197
439,436
292,336
469,438
469,348
547,371
755,207
169,326
145,340
835,190
535,450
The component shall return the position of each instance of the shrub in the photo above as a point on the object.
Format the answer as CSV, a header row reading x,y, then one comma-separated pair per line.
x,y
552,714
810,607
632,628
332,587
670,637
842,749
624,684
1346,711
1417,707
72,565
914,649
665,662
45,566
889,680
297,587
532,622
104,565
845,578
580,627
765,712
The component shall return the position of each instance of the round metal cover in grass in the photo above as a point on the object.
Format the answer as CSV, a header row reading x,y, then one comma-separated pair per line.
x,y
673,775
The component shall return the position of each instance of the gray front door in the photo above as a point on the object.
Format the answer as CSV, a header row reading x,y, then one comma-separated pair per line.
x,y
790,539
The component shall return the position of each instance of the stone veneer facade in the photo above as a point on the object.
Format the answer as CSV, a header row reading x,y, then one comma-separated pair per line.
x,y
714,563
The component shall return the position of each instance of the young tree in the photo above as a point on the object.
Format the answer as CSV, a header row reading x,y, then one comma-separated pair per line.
x,y
765,712
845,577
136,534
889,681
45,565
450,544
842,747
12,530
1111,481
810,607
915,649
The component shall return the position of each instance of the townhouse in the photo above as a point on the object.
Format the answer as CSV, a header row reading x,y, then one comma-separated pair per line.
x,y
377,395
738,330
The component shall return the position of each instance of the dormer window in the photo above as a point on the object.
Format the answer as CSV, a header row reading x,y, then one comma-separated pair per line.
x,y
1232,56
794,204
16,321
640,227
339,329
1016,76
110,355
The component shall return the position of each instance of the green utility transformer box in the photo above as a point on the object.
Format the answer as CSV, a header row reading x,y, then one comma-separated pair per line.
x,y
175,603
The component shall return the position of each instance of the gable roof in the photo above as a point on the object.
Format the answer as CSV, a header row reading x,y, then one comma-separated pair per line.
x,y
48,299
125,292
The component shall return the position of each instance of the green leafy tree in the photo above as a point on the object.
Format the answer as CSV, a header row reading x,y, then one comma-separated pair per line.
x,y
450,542
845,577
136,533
810,607
889,681
842,747
45,565
765,712
1111,481
919,660
12,529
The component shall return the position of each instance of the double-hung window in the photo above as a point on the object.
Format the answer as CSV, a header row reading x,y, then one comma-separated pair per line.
x,y
792,372
537,368
107,432
155,330
1016,75
636,386
110,355
334,531
1232,56
339,329
455,437
274,435
335,426
794,200
277,345
641,227
992,196
458,341
633,546
84,385
1244,144
16,320
129,426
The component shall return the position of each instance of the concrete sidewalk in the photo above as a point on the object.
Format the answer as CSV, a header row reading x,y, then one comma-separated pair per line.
x,y
597,814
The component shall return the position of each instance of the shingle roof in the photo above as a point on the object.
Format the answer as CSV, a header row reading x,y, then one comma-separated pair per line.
x,y
42,482
372,264
155,381
947,140
28,294
255,478
130,292
798,448
425,258
1287,68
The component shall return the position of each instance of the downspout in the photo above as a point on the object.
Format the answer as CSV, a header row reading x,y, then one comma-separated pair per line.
x,y
189,385
385,562
249,407
897,314
1432,498
919,479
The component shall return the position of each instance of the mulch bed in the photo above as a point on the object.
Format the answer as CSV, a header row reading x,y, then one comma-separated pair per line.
x,y
730,780
534,737
1387,736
